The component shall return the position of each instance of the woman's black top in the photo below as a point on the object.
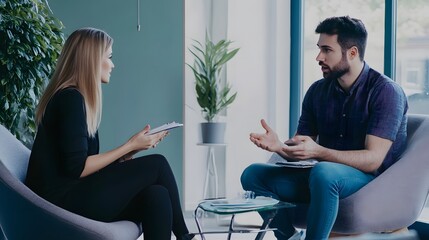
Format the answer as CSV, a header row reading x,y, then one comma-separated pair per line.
x,y
61,147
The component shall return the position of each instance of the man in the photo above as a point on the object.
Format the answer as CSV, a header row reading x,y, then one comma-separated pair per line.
x,y
353,121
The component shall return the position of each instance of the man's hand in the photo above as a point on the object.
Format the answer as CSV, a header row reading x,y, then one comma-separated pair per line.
x,y
268,141
368,159
304,147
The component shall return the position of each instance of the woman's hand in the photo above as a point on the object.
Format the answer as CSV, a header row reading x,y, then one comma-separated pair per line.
x,y
268,140
142,141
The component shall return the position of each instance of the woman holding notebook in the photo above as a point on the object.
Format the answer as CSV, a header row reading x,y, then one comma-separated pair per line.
x,y
66,167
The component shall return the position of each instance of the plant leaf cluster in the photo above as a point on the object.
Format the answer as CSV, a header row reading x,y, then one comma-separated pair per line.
x,y
30,42
210,58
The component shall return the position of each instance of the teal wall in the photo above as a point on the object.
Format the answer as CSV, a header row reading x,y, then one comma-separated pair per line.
x,y
146,83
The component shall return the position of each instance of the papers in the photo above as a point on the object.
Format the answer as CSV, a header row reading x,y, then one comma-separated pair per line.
x,y
164,127
298,164
243,203
292,163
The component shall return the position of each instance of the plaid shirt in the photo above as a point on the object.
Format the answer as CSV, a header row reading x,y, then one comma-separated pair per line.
x,y
341,120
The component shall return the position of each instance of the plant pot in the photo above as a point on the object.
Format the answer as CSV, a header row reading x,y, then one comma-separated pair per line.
x,y
213,132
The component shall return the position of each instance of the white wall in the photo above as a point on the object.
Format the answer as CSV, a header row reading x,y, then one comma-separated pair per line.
x,y
260,75
196,20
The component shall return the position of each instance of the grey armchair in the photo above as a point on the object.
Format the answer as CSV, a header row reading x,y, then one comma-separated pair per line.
x,y
393,200
25,215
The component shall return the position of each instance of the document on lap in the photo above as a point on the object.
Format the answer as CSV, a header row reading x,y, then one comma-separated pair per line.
x,y
164,127
292,163
299,164
244,203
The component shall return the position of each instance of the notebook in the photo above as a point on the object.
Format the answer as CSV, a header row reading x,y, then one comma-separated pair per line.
x,y
164,127
292,163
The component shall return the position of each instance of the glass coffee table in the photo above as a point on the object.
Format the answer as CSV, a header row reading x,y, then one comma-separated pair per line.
x,y
237,206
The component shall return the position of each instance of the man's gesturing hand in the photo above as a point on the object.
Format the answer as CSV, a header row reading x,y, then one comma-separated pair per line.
x,y
268,140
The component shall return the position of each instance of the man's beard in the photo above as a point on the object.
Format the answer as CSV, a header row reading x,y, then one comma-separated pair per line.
x,y
338,70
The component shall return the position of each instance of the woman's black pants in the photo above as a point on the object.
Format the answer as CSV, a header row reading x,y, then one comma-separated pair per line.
x,y
141,190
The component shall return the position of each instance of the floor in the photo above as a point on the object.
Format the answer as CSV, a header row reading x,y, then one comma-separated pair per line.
x,y
211,223
253,219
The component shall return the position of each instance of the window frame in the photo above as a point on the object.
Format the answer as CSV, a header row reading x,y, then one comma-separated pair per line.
x,y
296,62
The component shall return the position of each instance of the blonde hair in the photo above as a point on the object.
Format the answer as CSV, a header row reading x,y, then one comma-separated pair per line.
x,y
79,66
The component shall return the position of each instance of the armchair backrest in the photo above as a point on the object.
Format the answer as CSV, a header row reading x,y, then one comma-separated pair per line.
x,y
13,154
25,215
414,122
395,198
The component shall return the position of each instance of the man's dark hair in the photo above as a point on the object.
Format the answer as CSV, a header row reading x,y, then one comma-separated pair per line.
x,y
351,32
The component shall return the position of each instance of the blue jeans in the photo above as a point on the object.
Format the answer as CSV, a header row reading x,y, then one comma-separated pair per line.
x,y
326,183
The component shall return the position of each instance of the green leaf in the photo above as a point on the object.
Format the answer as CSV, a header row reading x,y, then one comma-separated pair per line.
x,y
225,58
30,42
9,34
208,63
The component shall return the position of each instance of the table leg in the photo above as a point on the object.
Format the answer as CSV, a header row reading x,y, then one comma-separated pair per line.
x,y
198,224
265,225
268,218
231,226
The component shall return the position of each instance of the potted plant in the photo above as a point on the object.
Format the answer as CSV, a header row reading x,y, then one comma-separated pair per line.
x,y
213,95
30,42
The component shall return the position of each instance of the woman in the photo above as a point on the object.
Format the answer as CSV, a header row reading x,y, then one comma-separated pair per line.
x,y
66,167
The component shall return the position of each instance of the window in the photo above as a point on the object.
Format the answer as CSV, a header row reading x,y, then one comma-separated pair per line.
x,y
371,12
412,31
412,58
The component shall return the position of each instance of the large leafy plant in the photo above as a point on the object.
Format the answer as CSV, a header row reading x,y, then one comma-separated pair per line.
x,y
30,42
213,95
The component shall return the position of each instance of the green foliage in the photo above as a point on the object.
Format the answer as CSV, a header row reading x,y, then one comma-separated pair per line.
x,y
212,95
30,42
